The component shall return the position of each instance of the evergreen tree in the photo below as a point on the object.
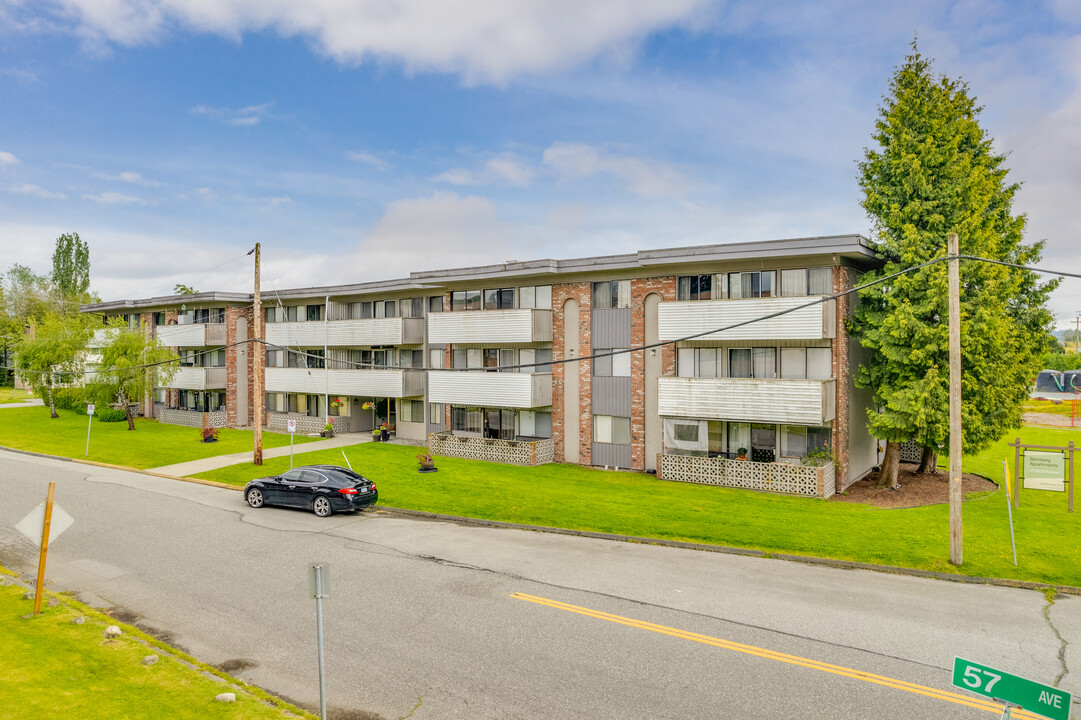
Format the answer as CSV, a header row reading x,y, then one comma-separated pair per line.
x,y
934,172
71,266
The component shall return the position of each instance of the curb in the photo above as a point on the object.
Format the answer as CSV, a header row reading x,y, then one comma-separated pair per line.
x,y
748,552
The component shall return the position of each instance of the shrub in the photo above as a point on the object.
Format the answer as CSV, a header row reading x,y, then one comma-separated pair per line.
x,y
111,415
68,399
208,434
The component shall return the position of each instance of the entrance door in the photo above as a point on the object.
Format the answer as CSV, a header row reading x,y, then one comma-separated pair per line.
x,y
763,443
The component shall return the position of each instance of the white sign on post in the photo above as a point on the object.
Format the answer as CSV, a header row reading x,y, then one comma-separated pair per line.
x,y
33,525
291,425
90,409
1044,470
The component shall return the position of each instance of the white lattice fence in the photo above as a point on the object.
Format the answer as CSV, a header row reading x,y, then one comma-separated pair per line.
x,y
516,452
772,477
305,423
911,452
187,418
217,419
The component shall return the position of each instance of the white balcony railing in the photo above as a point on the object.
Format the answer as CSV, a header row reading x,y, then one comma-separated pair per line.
x,y
795,402
337,333
193,335
356,383
676,320
491,389
491,326
196,378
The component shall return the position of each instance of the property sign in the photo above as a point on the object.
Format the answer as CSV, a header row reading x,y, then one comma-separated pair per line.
x,y
1045,470
33,525
291,425
1044,700
90,409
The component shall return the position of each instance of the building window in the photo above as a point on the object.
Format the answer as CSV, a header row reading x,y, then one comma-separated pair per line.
x,y
800,440
436,414
611,294
159,318
209,315
470,358
752,363
379,359
411,358
385,308
314,313
542,357
465,300
436,358
611,365
752,284
466,420
539,296
809,363
435,304
534,424
411,411
501,299
806,281
612,429
700,287
699,362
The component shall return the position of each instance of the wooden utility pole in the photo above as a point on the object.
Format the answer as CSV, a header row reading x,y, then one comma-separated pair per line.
x,y
46,526
956,545
258,352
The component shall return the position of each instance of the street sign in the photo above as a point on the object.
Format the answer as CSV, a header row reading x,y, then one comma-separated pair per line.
x,y
1045,470
90,409
291,425
33,525
1044,700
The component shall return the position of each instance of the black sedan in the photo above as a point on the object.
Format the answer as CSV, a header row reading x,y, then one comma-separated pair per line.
x,y
323,489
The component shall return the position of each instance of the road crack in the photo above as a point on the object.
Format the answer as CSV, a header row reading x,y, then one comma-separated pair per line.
x,y
1050,594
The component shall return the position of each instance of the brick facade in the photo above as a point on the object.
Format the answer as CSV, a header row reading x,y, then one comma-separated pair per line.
x,y
232,354
640,289
560,294
843,279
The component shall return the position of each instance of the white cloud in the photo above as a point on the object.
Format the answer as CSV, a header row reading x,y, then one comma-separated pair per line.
x,y
505,168
367,159
7,158
23,77
484,40
35,191
241,117
278,201
114,198
441,231
649,179
133,178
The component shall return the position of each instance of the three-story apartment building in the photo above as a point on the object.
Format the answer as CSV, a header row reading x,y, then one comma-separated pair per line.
x,y
681,361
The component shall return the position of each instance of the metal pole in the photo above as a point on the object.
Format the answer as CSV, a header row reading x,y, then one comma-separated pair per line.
x,y
258,355
291,450
44,548
89,419
319,626
956,540
326,360
1070,495
1009,509
1017,474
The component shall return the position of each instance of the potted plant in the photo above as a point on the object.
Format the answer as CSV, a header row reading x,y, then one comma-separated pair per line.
x,y
209,435
328,430
742,453
426,463
384,434
375,434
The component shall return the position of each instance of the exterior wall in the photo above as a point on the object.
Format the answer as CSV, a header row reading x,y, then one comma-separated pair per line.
x,y
239,366
665,287
843,279
565,417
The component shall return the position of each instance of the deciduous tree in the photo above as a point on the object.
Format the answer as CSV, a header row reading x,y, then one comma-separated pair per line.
x,y
933,170
133,361
53,354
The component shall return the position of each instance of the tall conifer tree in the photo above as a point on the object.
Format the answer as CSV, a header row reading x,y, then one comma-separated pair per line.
x,y
934,171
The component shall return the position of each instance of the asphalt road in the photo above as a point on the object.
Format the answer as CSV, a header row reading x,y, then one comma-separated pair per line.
x,y
438,620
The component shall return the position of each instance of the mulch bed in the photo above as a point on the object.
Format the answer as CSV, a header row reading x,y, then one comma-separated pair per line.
x,y
916,490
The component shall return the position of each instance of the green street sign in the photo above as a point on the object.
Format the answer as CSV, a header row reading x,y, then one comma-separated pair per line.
x,y
1045,700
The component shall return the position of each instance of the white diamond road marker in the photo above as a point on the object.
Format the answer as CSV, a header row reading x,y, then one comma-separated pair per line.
x,y
34,523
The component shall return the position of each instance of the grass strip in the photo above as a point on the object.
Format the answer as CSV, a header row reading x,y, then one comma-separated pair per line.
x,y
151,444
53,668
579,498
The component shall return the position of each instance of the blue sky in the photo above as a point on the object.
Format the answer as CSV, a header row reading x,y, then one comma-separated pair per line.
x,y
359,140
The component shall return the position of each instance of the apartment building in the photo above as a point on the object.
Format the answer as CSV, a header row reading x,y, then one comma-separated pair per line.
x,y
543,361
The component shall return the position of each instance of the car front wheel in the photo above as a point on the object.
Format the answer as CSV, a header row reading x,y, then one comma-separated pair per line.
x,y
254,497
321,506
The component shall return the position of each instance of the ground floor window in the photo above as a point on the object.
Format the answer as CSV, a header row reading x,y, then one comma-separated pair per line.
x,y
200,400
301,404
498,423
762,442
612,429
411,411
436,414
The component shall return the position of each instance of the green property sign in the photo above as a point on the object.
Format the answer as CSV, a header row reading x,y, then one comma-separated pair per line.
x,y
1045,700
1045,470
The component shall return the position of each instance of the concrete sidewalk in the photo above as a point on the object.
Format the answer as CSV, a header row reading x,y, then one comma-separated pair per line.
x,y
32,402
193,467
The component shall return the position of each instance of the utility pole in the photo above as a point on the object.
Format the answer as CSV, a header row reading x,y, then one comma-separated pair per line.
x,y
258,352
956,545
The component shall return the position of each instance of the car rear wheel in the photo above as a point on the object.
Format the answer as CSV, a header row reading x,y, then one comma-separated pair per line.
x,y
254,497
321,506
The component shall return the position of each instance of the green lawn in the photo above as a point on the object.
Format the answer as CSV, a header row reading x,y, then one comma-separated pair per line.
x,y
1050,407
11,395
569,496
151,444
54,669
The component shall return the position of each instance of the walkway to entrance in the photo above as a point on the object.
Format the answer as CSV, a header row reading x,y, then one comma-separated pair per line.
x,y
193,467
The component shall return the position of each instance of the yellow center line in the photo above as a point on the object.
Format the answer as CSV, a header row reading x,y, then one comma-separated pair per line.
x,y
946,695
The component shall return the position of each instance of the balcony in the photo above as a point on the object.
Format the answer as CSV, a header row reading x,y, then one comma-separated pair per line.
x,y
676,320
508,327
336,333
192,335
196,378
788,402
491,389
356,383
